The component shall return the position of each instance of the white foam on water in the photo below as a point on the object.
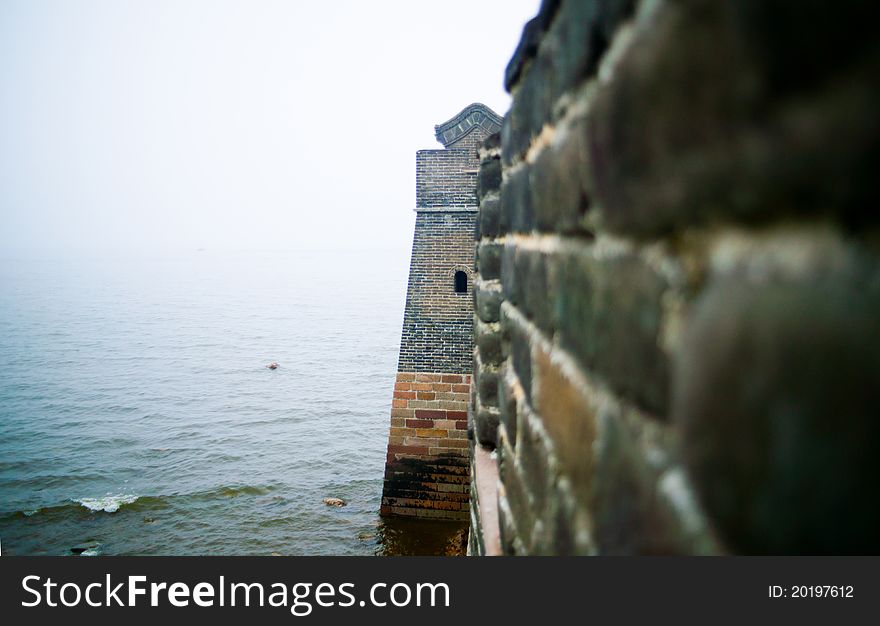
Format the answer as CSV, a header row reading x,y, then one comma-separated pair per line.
x,y
96,551
108,504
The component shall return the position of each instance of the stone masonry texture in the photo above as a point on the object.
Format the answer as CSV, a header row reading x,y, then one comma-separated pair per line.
x,y
438,322
426,472
677,283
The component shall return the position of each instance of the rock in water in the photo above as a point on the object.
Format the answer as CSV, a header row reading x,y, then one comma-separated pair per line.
x,y
84,547
334,501
272,366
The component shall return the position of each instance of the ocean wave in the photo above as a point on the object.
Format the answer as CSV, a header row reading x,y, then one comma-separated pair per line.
x,y
108,504
112,503
230,491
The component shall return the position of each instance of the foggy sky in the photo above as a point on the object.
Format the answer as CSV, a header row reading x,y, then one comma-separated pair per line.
x,y
164,124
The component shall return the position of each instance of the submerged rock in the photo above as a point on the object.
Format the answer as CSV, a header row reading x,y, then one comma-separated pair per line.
x,y
89,549
334,501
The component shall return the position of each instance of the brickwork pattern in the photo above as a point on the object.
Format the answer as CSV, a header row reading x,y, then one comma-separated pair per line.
x,y
438,322
489,348
676,343
447,179
426,471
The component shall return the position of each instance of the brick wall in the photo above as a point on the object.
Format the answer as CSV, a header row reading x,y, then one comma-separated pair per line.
x,y
426,472
489,352
438,322
679,284
446,178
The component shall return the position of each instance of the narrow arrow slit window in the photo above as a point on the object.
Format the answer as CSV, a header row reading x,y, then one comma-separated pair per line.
x,y
461,282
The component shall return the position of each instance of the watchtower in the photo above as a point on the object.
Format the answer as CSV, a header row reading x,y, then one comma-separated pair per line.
x,y
426,471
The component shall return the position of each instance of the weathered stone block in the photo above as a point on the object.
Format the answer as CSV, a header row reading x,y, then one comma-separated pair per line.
x,y
534,459
575,41
488,223
531,37
569,417
488,341
519,347
489,259
509,278
529,282
486,420
509,130
697,126
519,506
517,214
488,299
627,516
487,386
609,317
775,390
537,279
572,530
507,403
559,181
528,111
489,178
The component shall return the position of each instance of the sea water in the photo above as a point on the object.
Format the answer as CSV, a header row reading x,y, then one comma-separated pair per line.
x,y
137,414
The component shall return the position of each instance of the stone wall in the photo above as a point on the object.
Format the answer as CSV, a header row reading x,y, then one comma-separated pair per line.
x,y
438,322
426,471
678,290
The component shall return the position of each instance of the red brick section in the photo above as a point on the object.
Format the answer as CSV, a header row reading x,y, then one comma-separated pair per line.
x,y
426,469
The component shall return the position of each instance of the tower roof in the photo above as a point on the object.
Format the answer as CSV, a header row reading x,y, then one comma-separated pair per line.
x,y
473,116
